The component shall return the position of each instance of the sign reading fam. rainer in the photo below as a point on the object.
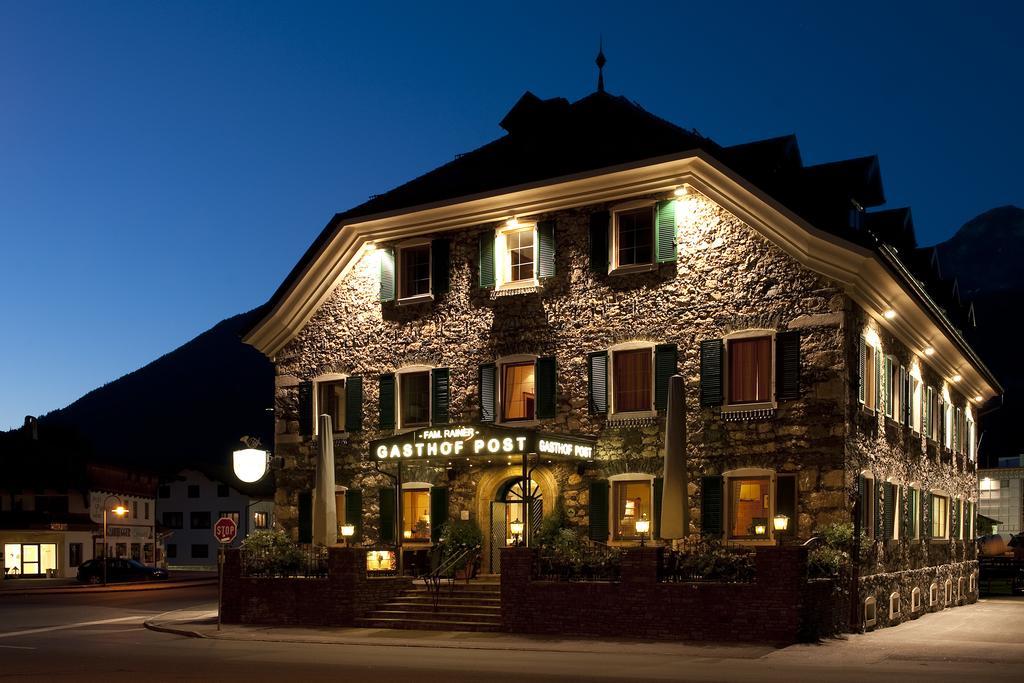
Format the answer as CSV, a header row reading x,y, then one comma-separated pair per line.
x,y
467,440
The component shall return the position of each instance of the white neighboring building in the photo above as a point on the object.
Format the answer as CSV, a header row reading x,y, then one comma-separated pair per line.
x,y
188,507
1001,497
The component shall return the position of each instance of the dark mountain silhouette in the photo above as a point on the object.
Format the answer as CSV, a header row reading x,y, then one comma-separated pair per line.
x,y
187,409
983,256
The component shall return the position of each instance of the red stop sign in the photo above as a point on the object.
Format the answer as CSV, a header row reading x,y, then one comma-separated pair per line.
x,y
225,529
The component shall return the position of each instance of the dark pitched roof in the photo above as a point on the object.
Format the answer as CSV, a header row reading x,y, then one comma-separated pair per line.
x,y
553,138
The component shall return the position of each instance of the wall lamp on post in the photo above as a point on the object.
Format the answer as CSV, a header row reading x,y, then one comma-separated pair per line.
x,y
347,531
643,527
120,511
781,523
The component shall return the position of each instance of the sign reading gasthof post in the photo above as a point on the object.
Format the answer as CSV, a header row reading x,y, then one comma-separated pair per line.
x,y
452,441
225,530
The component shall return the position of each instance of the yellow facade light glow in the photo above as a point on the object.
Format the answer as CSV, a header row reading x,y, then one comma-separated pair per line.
x,y
681,191
781,522
889,314
872,339
929,351
977,398
512,222
120,511
956,378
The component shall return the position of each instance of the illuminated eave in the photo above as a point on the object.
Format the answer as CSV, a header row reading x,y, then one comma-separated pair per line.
x,y
862,273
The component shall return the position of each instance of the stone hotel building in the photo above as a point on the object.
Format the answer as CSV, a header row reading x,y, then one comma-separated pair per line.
x,y
528,302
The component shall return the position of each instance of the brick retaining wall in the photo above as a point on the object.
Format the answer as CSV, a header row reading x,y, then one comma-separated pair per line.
x,y
779,607
337,600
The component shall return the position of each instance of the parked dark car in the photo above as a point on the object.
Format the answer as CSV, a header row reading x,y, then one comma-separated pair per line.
x,y
118,569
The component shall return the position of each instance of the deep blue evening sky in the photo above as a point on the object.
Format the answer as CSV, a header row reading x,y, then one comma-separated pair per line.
x,y
163,165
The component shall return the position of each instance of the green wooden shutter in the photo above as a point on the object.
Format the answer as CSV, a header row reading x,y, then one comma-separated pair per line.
x,y
440,394
599,227
906,508
387,401
488,392
659,488
665,231
928,412
904,417
546,249
486,261
598,510
877,503
877,398
863,500
305,516
305,408
438,511
890,511
547,384
354,511
388,508
862,364
666,364
711,352
387,274
887,388
711,505
354,404
926,516
785,501
440,264
787,365
954,518
597,377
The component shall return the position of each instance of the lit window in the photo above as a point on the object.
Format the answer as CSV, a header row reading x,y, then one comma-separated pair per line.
x,y
631,501
749,506
519,252
518,397
634,237
260,520
416,514
414,398
331,401
632,381
233,516
940,516
870,612
750,370
414,271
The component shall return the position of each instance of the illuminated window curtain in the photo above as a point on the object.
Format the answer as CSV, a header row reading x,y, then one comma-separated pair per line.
x,y
518,391
416,515
632,501
632,375
750,367
748,507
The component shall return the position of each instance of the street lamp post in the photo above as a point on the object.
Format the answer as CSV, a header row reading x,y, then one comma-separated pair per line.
x,y
120,511
643,525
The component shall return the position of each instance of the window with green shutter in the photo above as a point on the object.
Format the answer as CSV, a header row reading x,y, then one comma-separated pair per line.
x,y
711,505
488,388
877,505
862,365
387,274
666,364
598,510
665,231
354,511
787,365
438,511
354,404
711,351
486,259
439,396
546,249
597,376
599,242
387,401
388,510
546,384
889,530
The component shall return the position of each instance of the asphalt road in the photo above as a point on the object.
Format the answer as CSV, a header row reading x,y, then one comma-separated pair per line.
x,y
100,637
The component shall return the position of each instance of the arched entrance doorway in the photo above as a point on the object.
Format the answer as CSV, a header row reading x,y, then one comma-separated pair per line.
x,y
509,507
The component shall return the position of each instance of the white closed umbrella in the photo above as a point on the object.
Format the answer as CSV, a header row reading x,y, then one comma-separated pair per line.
x,y
675,512
325,513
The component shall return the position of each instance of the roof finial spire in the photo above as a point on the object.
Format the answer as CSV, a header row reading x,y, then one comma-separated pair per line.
x,y
600,61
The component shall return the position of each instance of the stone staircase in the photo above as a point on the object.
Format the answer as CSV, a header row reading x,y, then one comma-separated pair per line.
x,y
472,606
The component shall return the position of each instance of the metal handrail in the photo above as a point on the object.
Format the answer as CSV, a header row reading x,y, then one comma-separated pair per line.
x,y
446,570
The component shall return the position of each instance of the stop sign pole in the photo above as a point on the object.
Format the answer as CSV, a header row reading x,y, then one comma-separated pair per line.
x,y
224,531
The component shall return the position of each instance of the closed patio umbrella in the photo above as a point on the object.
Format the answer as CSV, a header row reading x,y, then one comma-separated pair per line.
x,y
325,514
675,522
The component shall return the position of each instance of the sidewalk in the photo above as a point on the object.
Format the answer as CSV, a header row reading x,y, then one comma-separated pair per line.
x,y
69,585
203,624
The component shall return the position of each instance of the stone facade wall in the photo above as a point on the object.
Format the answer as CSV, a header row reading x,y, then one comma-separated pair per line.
x,y
728,278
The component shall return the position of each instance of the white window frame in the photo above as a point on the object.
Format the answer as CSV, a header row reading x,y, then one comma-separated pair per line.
x,y
728,405
945,516
915,600
916,388
503,258
317,381
399,418
959,588
947,592
892,388
933,594
897,516
415,486
400,272
627,477
915,513
948,415
613,241
870,608
894,605
613,412
499,403
745,473
972,453
974,583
